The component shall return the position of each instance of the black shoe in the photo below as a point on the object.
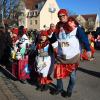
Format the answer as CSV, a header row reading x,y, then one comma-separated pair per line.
x,y
39,87
69,94
44,88
66,94
55,92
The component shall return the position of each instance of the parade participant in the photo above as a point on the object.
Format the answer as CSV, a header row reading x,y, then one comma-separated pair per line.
x,y
9,47
20,67
51,31
97,42
84,54
43,60
91,40
52,28
22,43
69,34
6,45
2,42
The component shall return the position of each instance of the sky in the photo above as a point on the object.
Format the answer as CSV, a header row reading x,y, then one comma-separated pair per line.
x,y
81,6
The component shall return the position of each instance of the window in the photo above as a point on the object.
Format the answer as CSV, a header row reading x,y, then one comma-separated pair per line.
x,y
36,6
30,22
35,13
91,21
35,21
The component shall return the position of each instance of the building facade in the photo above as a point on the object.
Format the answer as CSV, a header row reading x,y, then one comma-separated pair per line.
x,y
39,14
89,22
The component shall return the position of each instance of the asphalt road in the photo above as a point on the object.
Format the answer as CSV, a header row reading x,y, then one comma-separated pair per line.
x,y
87,85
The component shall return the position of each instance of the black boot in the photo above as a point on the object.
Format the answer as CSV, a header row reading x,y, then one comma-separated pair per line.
x,y
38,87
66,94
69,94
55,92
45,88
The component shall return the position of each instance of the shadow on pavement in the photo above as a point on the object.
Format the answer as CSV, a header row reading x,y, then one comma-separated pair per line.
x,y
90,72
8,74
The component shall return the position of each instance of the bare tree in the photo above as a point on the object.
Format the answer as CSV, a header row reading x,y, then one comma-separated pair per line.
x,y
10,10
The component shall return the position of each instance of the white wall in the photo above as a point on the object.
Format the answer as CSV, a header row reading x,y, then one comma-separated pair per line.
x,y
46,18
97,22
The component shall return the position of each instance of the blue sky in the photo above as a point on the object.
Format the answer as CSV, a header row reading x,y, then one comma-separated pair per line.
x,y
81,6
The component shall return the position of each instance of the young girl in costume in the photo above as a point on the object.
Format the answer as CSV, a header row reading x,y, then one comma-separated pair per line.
x,y
84,54
43,60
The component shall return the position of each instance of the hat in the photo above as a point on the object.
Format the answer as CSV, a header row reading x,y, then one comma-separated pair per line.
x,y
63,11
43,33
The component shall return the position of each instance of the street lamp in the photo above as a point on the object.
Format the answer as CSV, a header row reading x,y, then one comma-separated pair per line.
x,y
52,10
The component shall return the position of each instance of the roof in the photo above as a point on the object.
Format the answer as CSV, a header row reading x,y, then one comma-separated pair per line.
x,y
31,4
86,17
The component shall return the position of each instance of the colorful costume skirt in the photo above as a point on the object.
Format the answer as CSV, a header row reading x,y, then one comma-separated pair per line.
x,y
63,70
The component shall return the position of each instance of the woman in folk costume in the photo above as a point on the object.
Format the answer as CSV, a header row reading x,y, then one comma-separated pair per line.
x,y
50,31
43,60
69,34
21,44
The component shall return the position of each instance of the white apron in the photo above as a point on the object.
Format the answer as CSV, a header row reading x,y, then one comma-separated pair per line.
x,y
43,62
68,44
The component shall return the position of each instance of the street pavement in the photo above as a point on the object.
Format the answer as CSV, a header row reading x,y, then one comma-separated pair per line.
x,y
87,85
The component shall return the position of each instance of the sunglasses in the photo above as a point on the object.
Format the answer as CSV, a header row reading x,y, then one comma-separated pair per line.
x,y
61,16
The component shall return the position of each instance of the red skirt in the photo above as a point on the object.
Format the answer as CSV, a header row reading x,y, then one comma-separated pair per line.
x,y
22,74
63,70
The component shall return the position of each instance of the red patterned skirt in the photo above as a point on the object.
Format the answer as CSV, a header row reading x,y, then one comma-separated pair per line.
x,y
63,70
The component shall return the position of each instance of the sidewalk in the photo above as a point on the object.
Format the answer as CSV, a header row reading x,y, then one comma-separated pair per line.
x,y
5,93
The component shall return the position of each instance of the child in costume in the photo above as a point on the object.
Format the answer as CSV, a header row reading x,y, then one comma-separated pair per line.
x,y
84,54
43,60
